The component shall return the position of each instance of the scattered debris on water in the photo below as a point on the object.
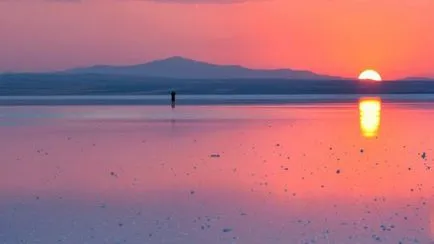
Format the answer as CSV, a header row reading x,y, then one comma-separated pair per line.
x,y
227,230
423,155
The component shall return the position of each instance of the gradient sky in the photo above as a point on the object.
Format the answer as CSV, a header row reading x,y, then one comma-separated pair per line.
x,y
338,37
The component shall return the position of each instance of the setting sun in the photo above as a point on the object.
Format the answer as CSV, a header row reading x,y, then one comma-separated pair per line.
x,y
370,75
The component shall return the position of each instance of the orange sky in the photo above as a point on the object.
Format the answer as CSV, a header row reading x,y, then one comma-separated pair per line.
x,y
338,37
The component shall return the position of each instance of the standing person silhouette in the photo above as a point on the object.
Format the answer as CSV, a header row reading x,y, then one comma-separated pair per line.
x,y
173,97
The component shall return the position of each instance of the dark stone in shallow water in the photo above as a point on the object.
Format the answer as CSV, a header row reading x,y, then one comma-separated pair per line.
x,y
423,155
227,230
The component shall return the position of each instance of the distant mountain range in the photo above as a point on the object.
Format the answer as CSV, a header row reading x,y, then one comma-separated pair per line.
x,y
418,78
183,68
188,76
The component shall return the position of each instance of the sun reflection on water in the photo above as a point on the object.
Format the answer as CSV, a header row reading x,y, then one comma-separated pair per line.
x,y
370,113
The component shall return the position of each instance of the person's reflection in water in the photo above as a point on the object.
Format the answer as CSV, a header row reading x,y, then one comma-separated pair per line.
x,y
173,97
370,114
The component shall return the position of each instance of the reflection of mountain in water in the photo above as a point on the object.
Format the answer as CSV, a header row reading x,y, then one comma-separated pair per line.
x,y
370,116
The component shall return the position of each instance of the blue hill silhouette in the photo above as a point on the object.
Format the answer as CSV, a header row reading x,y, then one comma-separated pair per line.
x,y
194,77
183,68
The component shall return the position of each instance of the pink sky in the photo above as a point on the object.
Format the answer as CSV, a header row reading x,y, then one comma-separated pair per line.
x,y
337,37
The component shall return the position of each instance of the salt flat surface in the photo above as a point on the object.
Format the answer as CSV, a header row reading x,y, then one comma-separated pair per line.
x,y
317,173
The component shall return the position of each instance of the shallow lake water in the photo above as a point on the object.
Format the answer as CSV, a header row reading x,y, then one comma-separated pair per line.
x,y
310,173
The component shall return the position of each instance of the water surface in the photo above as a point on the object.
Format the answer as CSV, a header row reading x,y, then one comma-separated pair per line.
x,y
351,172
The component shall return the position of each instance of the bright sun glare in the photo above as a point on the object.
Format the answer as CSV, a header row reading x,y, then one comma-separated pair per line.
x,y
370,75
370,111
